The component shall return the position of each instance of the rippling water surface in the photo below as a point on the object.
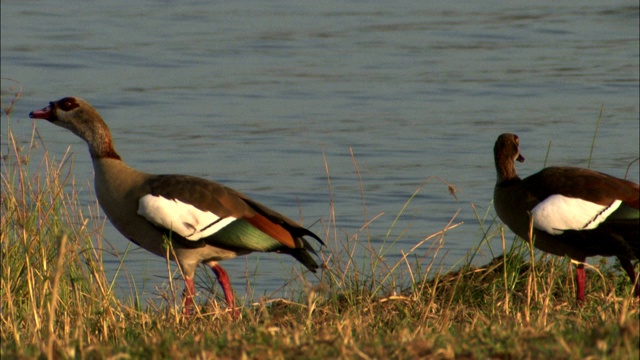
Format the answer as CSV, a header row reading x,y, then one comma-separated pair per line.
x,y
258,94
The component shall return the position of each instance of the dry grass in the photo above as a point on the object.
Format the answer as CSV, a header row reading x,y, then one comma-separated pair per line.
x,y
56,301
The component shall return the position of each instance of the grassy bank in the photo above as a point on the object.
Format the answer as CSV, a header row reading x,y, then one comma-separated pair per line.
x,y
56,301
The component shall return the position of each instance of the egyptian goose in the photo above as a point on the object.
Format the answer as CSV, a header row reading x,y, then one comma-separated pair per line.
x,y
206,222
576,212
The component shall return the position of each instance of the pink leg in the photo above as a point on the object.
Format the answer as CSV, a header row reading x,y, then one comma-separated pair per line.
x,y
628,267
189,292
580,279
223,280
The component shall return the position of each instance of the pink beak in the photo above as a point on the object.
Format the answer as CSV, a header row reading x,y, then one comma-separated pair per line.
x,y
44,113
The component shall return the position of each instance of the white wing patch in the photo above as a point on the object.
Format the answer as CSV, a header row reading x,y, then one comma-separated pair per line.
x,y
558,213
184,219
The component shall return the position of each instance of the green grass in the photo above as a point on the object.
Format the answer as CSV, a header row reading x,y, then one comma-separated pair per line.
x,y
56,301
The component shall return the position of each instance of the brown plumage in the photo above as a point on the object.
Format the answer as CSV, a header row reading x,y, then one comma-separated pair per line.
x,y
577,212
205,221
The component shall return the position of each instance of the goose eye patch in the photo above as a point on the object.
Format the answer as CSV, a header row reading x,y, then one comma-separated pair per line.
x,y
67,104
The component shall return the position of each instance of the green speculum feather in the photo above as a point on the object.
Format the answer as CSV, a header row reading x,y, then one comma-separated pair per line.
x,y
241,234
625,212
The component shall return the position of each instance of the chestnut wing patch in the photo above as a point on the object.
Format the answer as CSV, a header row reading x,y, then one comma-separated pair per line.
x,y
201,210
275,231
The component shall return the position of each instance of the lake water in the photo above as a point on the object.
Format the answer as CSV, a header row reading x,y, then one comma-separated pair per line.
x,y
255,94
